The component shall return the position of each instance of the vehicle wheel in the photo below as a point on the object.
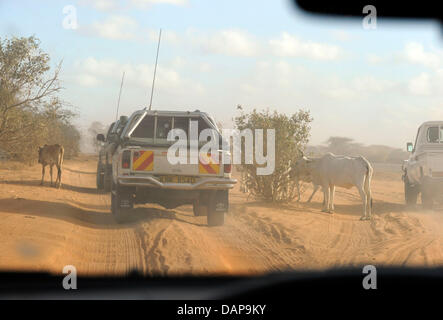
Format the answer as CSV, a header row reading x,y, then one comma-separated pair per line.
x,y
107,178
121,204
215,218
411,193
218,204
100,177
199,210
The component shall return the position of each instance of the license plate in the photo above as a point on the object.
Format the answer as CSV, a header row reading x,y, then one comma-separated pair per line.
x,y
177,179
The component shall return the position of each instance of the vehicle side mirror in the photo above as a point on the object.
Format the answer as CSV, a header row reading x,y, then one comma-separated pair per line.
x,y
409,147
100,137
123,120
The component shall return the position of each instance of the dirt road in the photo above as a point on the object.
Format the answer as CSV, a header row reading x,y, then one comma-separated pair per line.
x,y
42,228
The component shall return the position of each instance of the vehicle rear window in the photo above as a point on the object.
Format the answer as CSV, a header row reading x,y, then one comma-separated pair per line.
x,y
164,125
433,134
145,129
202,124
181,123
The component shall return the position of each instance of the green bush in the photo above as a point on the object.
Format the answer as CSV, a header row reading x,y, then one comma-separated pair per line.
x,y
291,136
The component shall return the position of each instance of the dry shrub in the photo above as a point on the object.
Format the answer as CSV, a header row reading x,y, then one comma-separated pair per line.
x,y
291,136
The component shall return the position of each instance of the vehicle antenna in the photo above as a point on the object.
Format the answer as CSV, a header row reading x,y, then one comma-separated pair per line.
x,y
119,95
155,69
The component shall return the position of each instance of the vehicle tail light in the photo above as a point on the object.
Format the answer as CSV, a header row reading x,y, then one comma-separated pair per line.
x,y
126,159
226,167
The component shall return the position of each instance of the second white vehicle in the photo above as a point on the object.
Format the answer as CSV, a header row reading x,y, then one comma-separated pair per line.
x,y
423,171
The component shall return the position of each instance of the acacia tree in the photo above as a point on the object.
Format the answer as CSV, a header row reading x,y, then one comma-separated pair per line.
x,y
31,112
291,136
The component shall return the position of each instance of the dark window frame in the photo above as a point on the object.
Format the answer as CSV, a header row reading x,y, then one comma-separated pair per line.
x,y
438,132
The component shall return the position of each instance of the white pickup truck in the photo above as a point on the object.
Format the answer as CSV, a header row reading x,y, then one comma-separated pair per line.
x,y
142,173
423,171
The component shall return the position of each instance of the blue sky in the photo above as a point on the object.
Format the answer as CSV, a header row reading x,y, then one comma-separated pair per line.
x,y
375,86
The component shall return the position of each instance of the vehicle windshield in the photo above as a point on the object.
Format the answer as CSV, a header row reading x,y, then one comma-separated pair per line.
x,y
311,120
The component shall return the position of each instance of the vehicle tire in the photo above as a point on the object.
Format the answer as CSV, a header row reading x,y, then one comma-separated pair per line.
x,y
427,199
199,209
120,214
107,178
218,204
100,177
215,218
411,193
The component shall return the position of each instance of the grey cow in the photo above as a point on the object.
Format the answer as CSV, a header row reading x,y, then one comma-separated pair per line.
x,y
331,170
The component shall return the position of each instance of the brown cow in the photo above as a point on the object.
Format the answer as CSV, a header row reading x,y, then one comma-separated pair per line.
x,y
51,155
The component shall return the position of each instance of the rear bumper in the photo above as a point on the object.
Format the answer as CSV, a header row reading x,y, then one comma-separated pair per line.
x,y
206,183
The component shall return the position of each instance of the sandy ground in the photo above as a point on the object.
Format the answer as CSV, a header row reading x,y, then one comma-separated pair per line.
x,y
42,228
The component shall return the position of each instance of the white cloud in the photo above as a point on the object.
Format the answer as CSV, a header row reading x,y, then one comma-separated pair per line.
x,y
168,36
234,42
227,42
114,27
420,85
292,46
292,82
87,80
374,59
178,62
277,75
93,72
427,83
98,68
342,35
182,63
148,3
114,5
340,92
357,88
372,84
414,52
204,67
101,5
